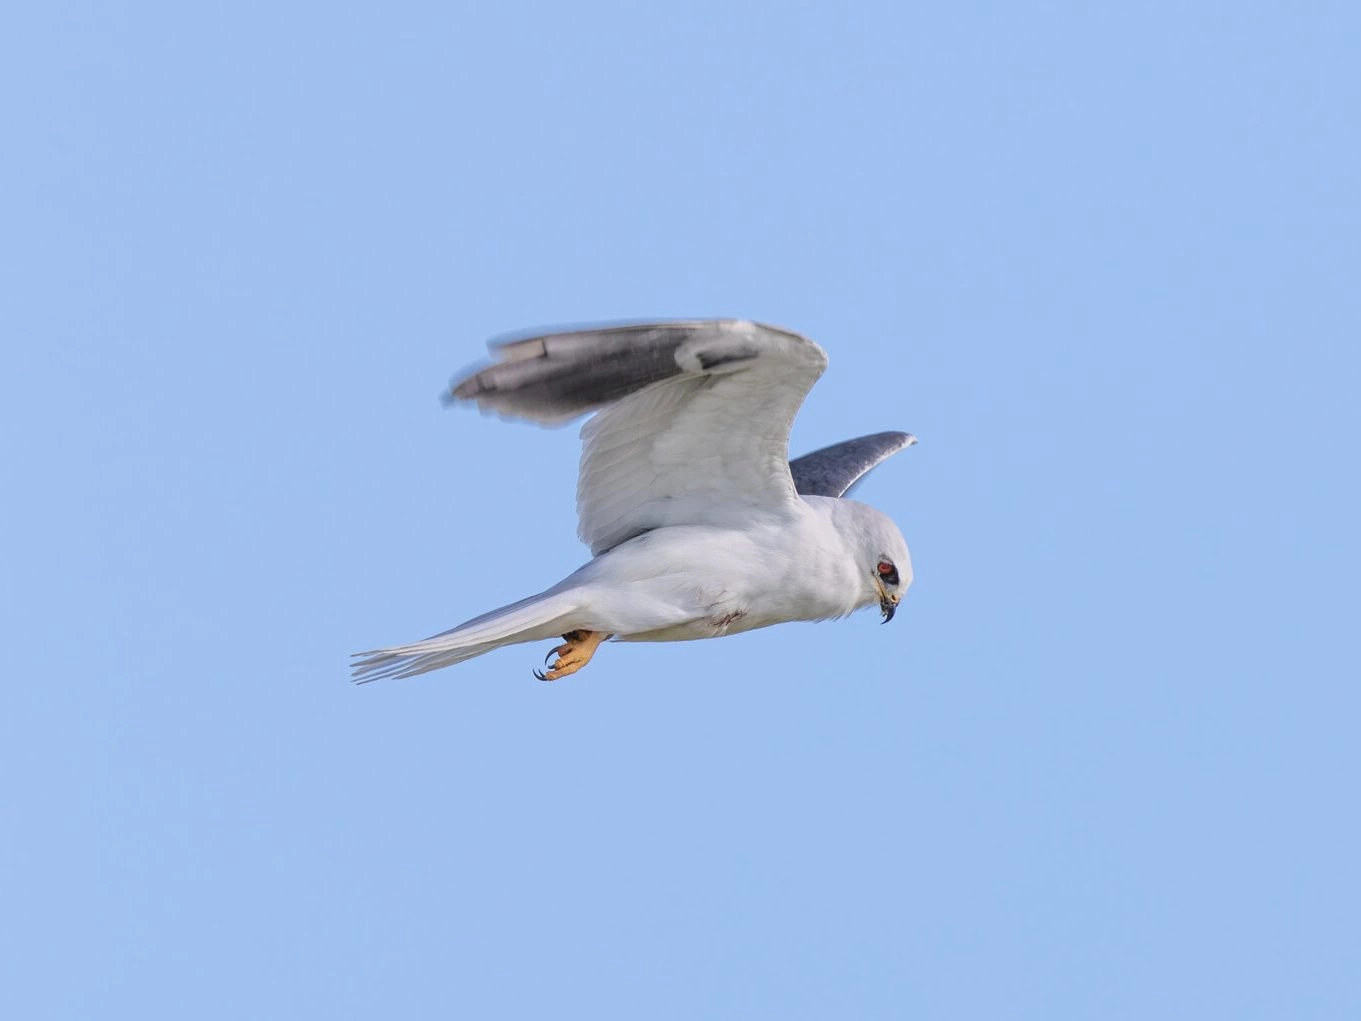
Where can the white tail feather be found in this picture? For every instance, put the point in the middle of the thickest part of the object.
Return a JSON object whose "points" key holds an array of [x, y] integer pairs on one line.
{"points": [[546, 615]]}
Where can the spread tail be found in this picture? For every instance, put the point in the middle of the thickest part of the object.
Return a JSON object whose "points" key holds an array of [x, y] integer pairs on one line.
{"points": [[546, 615]]}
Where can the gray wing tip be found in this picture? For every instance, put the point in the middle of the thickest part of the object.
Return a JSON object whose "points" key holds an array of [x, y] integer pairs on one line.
{"points": [[465, 388], [893, 437]]}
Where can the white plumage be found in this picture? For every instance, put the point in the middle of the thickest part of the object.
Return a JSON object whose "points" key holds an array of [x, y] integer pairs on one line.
{"points": [[698, 524]]}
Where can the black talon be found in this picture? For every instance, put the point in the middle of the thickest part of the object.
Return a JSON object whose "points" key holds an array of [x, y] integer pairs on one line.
{"points": [[538, 675], [551, 654]]}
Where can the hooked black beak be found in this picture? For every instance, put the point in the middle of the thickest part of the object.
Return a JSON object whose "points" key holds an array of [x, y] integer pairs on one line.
{"points": [[888, 607]]}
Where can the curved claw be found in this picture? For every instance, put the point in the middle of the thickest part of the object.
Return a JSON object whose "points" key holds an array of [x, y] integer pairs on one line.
{"points": [[576, 653]]}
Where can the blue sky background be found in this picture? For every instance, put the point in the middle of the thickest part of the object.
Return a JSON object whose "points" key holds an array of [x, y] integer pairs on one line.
{"points": [[1103, 262]]}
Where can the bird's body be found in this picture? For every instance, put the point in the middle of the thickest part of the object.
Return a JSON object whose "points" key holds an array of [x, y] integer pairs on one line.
{"points": [[697, 581], [686, 497]]}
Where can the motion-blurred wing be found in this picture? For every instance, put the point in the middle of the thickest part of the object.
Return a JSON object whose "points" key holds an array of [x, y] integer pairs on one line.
{"points": [[692, 425]]}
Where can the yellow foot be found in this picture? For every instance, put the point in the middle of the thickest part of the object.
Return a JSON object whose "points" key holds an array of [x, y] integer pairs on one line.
{"points": [[576, 653]]}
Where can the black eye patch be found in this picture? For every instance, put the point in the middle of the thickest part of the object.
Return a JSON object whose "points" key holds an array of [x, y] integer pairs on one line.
{"points": [[887, 572]]}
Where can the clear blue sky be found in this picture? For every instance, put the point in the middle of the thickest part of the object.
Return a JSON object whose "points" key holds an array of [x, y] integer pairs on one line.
{"points": [[1104, 263]]}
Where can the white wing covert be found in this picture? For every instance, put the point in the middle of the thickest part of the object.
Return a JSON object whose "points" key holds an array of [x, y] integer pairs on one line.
{"points": [[693, 420]]}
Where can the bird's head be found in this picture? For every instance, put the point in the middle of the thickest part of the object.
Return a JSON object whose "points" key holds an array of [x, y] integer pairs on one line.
{"points": [[881, 557]]}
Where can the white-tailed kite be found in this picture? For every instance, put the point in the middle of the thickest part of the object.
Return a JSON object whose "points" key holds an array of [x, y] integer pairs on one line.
{"points": [[698, 524]]}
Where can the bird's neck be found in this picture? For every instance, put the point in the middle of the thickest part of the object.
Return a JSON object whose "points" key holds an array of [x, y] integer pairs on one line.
{"points": [[830, 558]]}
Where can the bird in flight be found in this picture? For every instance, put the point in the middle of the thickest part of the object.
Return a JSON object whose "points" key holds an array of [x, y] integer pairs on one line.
{"points": [[699, 526]]}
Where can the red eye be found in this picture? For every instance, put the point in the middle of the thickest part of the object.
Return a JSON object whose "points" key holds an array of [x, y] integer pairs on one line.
{"points": [[885, 568]]}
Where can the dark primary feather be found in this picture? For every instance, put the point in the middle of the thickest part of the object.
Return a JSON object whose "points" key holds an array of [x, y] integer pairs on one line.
{"points": [[554, 377], [833, 470]]}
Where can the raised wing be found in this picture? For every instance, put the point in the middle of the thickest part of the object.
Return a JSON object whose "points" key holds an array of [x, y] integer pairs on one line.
{"points": [[833, 470], [692, 425]]}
